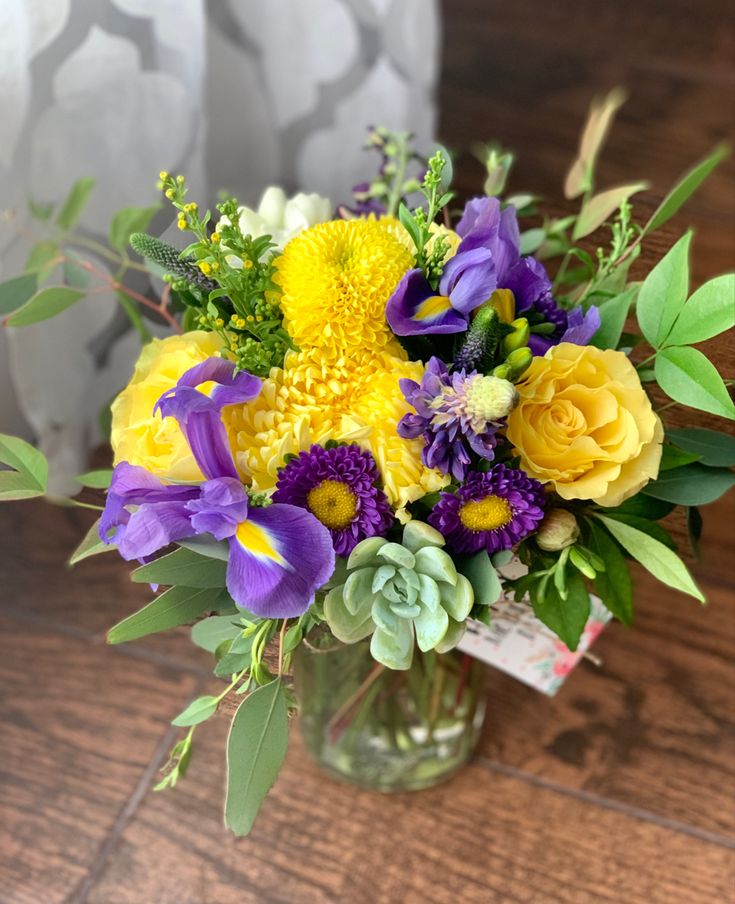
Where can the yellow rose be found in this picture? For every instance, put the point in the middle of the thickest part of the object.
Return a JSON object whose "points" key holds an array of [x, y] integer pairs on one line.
{"points": [[585, 425], [142, 438]]}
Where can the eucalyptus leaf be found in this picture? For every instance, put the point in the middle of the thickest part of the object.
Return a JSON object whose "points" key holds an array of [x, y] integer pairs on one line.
{"points": [[96, 480], [685, 188], [713, 448], [206, 545], [664, 293], [183, 567], [91, 545], [613, 314], [483, 577], [256, 749], [75, 203], [45, 304], [687, 376], [672, 457], [709, 312], [29, 476], [197, 711], [663, 564], [210, 632], [693, 484], [126, 222], [40, 259], [175, 607], [16, 292], [532, 240]]}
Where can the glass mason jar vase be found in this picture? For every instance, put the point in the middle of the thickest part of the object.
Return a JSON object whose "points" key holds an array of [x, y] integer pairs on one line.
{"points": [[382, 729]]}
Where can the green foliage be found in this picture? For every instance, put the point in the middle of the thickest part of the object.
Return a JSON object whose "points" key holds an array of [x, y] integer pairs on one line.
{"points": [[613, 585], [206, 545], [42, 258], [709, 312], [664, 292], [693, 484], [210, 632], [714, 449], [565, 610], [663, 564], [600, 207], [479, 571], [178, 762], [183, 567], [171, 261], [687, 376], [127, 221], [197, 711], [45, 304], [613, 313], [685, 188], [96, 480], [256, 749], [580, 177], [174, 607], [29, 474], [16, 292], [91, 545], [394, 182], [75, 202]]}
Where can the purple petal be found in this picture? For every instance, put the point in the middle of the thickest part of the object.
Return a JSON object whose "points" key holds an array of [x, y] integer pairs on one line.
{"points": [[279, 557], [413, 309], [469, 279], [528, 281], [221, 507], [581, 326], [153, 526], [209, 445]]}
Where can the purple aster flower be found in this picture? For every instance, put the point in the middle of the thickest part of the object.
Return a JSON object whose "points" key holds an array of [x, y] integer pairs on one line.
{"points": [[468, 280], [456, 414], [339, 486], [278, 556], [491, 511]]}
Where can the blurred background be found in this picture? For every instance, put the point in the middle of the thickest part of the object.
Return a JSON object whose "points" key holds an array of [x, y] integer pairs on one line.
{"points": [[619, 789]]}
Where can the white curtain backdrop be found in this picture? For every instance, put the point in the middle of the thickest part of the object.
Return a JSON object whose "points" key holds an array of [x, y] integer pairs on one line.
{"points": [[237, 94]]}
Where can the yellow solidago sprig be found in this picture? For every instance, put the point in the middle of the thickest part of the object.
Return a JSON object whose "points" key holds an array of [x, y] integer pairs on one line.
{"points": [[244, 307]]}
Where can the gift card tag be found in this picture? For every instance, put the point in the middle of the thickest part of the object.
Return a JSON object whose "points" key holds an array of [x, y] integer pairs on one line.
{"points": [[517, 643]]}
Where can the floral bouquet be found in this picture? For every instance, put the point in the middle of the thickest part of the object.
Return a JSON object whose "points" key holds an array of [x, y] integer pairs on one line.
{"points": [[362, 415]]}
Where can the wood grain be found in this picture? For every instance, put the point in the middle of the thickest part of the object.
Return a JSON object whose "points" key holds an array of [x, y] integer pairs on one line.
{"points": [[79, 728], [485, 836]]}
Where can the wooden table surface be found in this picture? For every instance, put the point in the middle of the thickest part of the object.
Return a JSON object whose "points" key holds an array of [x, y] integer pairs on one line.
{"points": [[618, 790]]}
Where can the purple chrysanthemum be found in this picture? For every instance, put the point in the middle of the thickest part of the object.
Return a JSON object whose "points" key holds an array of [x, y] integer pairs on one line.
{"points": [[339, 486], [456, 414], [491, 511]]}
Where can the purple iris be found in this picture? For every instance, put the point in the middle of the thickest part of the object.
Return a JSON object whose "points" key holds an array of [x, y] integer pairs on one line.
{"points": [[456, 414], [279, 555], [468, 280], [526, 277], [491, 511], [581, 326]]}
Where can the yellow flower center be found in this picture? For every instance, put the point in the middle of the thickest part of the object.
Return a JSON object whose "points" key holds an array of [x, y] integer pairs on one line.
{"points": [[333, 503], [489, 513]]}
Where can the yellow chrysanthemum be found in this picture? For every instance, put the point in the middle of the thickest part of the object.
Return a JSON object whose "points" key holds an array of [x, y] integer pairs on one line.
{"points": [[336, 279], [316, 397]]}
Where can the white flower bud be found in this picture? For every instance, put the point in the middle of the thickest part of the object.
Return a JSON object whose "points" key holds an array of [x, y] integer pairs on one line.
{"points": [[558, 530]]}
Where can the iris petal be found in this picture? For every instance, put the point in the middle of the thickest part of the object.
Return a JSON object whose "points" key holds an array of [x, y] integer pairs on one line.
{"points": [[279, 557]]}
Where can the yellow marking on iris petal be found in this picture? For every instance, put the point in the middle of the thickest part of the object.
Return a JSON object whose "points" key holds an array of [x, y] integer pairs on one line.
{"points": [[489, 513], [208, 387], [433, 307], [503, 301], [257, 541], [333, 503]]}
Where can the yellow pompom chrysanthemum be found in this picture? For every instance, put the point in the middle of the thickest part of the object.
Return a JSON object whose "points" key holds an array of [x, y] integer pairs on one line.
{"points": [[336, 280], [316, 397]]}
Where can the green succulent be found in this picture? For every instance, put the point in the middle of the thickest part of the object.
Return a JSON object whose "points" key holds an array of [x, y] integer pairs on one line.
{"points": [[395, 591]]}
